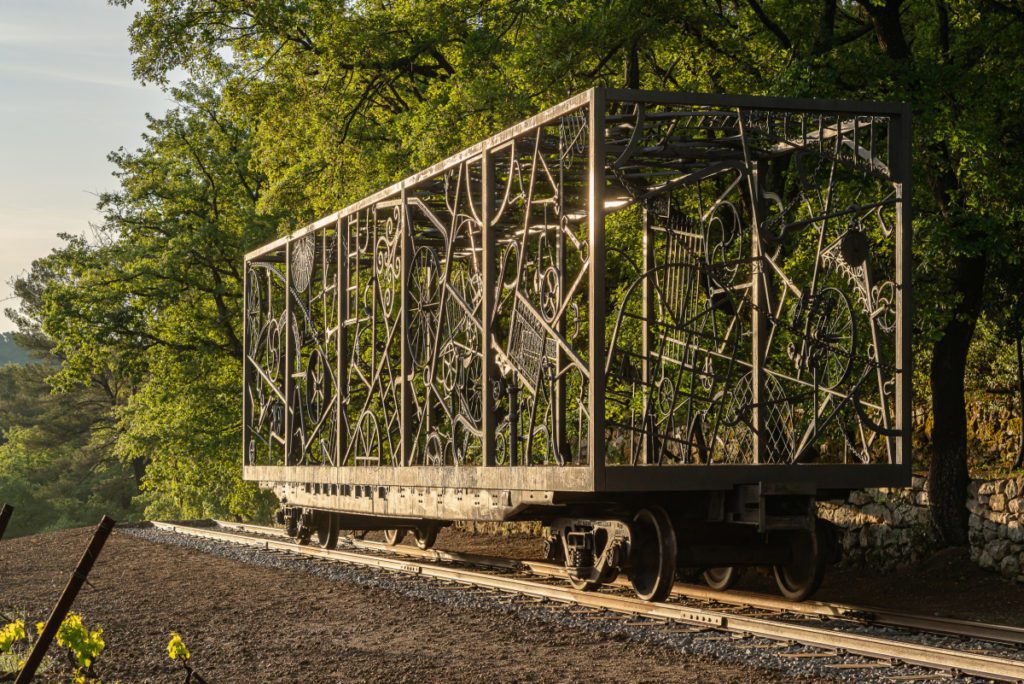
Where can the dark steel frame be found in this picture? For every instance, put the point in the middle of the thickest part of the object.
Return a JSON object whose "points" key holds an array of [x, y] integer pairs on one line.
{"points": [[304, 415]]}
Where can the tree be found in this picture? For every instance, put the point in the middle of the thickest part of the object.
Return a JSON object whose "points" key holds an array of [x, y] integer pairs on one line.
{"points": [[56, 463], [347, 96], [153, 299], [1006, 311]]}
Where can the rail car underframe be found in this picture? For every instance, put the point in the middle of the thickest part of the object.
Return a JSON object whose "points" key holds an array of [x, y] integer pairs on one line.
{"points": [[480, 494]]}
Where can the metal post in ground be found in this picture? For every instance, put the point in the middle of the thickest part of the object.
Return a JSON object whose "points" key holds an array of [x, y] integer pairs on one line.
{"points": [[67, 598], [5, 516]]}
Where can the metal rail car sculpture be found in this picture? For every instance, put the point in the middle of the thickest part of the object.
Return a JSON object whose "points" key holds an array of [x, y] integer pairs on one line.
{"points": [[663, 324]]}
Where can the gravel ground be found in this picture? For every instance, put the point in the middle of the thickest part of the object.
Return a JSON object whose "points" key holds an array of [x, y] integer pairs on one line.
{"points": [[256, 616], [727, 649], [246, 614]]}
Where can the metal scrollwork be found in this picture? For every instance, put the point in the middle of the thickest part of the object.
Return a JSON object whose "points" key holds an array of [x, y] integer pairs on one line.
{"points": [[741, 261]]}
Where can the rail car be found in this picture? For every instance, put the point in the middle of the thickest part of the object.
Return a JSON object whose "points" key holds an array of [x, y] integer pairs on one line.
{"points": [[663, 324]]}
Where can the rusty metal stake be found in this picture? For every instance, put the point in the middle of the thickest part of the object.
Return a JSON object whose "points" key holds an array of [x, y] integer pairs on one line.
{"points": [[5, 516], [75, 583]]}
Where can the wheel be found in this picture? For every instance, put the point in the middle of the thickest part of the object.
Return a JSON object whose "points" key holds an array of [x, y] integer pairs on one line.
{"points": [[653, 554], [394, 537], [425, 536], [801, 577], [326, 527], [291, 526], [722, 578], [582, 585]]}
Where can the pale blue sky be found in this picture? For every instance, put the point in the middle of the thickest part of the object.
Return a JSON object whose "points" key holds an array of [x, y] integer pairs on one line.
{"points": [[67, 98]]}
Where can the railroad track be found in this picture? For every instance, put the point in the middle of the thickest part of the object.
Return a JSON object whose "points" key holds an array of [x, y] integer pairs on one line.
{"points": [[771, 623], [1004, 634]]}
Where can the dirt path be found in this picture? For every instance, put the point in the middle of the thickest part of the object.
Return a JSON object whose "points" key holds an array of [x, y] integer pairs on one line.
{"points": [[248, 623]]}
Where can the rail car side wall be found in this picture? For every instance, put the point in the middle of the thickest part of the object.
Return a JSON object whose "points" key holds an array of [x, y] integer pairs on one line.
{"points": [[473, 326]]}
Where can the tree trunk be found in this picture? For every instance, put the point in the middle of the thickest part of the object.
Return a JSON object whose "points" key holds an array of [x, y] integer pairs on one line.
{"points": [[1020, 393], [947, 476], [631, 66]]}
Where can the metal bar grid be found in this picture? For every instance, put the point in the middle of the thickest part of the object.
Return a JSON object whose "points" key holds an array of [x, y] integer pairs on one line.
{"points": [[481, 322]]}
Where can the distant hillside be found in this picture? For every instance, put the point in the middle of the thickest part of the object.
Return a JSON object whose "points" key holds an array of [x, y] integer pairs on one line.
{"points": [[10, 352]]}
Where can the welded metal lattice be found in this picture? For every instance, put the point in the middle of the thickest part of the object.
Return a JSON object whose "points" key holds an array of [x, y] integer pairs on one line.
{"points": [[650, 279]]}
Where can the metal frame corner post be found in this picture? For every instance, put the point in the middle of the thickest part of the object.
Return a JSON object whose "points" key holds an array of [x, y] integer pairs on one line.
{"points": [[759, 318], [289, 350], [648, 454], [900, 156], [488, 272], [246, 370], [406, 395], [596, 305], [341, 350]]}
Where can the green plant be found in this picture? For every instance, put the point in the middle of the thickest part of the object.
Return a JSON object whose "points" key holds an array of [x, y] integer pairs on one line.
{"points": [[85, 645], [176, 650], [13, 643], [10, 634]]}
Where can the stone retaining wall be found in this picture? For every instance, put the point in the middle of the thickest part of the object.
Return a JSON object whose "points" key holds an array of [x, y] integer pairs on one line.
{"points": [[997, 525], [887, 528], [883, 528]]}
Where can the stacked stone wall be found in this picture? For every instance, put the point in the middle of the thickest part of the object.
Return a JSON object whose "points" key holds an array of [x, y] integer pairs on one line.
{"points": [[883, 528], [889, 528], [997, 525]]}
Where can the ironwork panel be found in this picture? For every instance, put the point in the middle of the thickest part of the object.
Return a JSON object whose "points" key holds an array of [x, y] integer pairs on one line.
{"points": [[759, 319], [629, 281], [291, 328]]}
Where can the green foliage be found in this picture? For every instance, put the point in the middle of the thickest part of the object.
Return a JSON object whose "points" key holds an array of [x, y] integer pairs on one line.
{"points": [[14, 645], [185, 422], [84, 644], [176, 648], [56, 464], [294, 109], [52, 487], [12, 633]]}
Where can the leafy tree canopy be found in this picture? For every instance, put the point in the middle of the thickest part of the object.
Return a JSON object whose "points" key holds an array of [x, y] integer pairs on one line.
{"points": [[293, 109]]}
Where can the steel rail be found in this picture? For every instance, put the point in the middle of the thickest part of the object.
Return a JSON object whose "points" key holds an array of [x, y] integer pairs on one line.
{"points": [[990, 667], [1006, 634]]}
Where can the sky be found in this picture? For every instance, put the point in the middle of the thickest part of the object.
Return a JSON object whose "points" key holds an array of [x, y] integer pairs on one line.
{"points": [[67, 99]]}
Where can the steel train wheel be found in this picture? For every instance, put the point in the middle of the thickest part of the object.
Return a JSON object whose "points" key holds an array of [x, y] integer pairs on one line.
{"points": [[582, 584], [801, 577], [722, 578], [425, 536], [326, 528], [394, 537], [653, 554]]}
